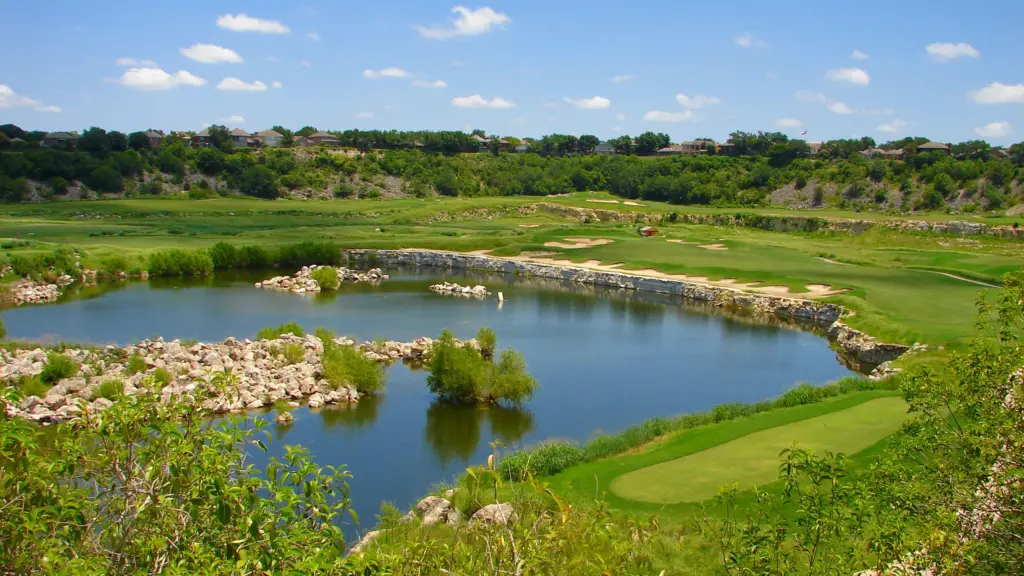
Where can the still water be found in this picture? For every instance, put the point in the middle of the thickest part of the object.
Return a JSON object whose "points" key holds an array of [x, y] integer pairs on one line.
{"points": [[604, 359]]}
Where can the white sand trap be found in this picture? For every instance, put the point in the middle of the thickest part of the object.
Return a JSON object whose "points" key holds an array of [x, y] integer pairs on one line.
{"points": [[529, 225], [604, 201], [680, 242], [714, 246], [578, 243], [631, 203]]}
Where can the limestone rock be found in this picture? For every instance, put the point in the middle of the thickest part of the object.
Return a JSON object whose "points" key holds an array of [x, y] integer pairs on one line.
{"points": [[499, 514]]}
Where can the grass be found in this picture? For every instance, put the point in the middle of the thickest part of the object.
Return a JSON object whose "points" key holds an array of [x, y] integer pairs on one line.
{"points": [[754, 458], [592, 480]]}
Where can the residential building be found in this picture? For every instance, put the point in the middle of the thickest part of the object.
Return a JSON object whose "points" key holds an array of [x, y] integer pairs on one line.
{"points": [[482, 143], [891, 154], [301, 141], [727, 149], [933, 147], [240, 138], [648, 231], [201, 139], [324, 139], [686, 148], [155, 138], [523, 146], [606, 148], [270, 138], [61, 139]]}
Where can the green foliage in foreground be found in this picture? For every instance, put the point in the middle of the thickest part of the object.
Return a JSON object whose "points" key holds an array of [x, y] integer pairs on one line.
{"points": [[149, 488], [464, 374], [274, 332], [346, 366], [326, 277]]}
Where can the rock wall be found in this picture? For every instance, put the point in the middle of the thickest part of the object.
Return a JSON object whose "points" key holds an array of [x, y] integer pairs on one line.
{"points": [[858, 348]]}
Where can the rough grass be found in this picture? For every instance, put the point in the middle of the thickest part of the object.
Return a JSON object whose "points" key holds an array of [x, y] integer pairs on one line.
{"points": [[754, 458]]}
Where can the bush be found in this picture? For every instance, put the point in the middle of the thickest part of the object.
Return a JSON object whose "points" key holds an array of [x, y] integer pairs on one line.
{"points": [[545, 460], [343, 191], [32, 386], [254, 257], [135, 365], [346, 366], [326, 277], [272, 333], [198, 193], [509, 379], [111, 266], [180, 263], [162, 376], [110, 389], [488, 340], [224, 256], [57, 367], [309, 253], [456, 373], [293, 352]]}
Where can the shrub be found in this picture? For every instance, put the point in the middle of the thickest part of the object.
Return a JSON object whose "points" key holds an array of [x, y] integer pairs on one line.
{"points": [[180, 263], [254, 257], [343, 191], [110, 389], [197, 193], [135, 365], [346, 366], [326, 277], [309, 253], [32, 386], [57, 367], [162, 376], [488, 340], [509, 379], [113, 265], [293, 352], [456, 373], [545, 460], [224, 256], [272, 333]]}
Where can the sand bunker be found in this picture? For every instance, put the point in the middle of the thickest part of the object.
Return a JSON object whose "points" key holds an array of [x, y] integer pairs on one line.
{"points": [[680, 242], [631, 203], [714, 246], [604, 201], [529, 225], [573, 243]]}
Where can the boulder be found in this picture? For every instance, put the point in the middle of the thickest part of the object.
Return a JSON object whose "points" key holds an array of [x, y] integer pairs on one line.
{"points": [[285, 418], [365, 541], [499, 514], [434, 510]]}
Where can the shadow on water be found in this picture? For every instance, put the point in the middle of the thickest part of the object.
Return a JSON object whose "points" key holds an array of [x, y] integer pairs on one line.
{"points": [[453, 431]]}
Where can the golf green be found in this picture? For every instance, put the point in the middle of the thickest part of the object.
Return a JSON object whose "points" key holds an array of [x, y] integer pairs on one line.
{"points": [[754, 459]]}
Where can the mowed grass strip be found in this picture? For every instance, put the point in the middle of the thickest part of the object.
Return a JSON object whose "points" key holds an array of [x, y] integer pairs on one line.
{"points": [[754, 459]]}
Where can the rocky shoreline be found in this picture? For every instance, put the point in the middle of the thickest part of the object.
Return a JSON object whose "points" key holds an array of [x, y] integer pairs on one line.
{"points": [[858, 347], [302, 282], [260, 374], [477, 291]]}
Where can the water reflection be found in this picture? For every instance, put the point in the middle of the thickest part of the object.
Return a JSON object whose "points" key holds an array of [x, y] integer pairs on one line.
{"points": [[453, 430], [352, 417]]}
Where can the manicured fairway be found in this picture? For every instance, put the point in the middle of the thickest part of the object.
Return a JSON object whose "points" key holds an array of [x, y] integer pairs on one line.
{"points": [[754, 459]]}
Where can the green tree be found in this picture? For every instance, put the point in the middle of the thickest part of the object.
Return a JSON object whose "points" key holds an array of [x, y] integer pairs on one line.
{"points": [[106, 178], [118, 141], [259, 181], [94, 141], [588, 143], [138, 141], [305, 131]]}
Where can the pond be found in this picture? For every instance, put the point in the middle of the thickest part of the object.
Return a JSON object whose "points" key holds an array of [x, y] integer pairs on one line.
{"points": [[604, 360]]}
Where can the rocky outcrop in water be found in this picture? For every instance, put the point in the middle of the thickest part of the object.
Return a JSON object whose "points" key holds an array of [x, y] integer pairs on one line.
{"points": [[302, 282], [862, 348], [31, 292], [459, 290]]}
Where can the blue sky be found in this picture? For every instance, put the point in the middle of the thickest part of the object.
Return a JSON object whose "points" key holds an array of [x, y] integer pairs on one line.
{"points": [[948, 70]]}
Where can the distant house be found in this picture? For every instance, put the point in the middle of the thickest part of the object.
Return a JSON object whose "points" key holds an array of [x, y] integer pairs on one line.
{"points": [[648, 231], [60, 139], [270, 138], [933, 147], [891, 154], [482, 143], [523, 146], [301, 141], [690, 148], [605, 148], [201, 139], [727, 149], [240, 138], [324, 139], [155, 137]]}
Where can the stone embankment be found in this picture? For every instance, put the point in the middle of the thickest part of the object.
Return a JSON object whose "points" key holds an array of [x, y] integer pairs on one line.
{"points": [[302, 282], [862, 349], [260, 374], [459, 290]]}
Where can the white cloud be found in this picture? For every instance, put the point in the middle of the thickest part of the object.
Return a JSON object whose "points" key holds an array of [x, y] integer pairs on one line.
{"points": [[621, 78], [662, 116], [386, 73], [469, 23], [134, 62], [810, 96], [430, 84], [233, 119], [306, 64], [851, 75], [620, 117], [695, 102], [364, 115], [210, 54], [157, 79], [478, 101], [996, 93], [788, 123], [894, 126], [594, 103], [10, 99], [313, 36], [237, 85], [747, 40], [840, 108], [244, 23], [858, 55], [942, 51], [994, 130], [276, 84]]}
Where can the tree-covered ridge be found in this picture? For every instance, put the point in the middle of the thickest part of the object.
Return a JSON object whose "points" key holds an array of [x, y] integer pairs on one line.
{"points": [[746, 171]]}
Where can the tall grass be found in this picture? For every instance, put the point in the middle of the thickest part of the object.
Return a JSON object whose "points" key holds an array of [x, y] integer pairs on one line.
{"points": [[180, 263], [346, 366], [274, 332], [309, 253], [57, 367], [326, 277]]}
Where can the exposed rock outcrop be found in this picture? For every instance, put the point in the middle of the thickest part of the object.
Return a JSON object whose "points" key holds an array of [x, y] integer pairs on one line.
{"points": [[302, 282], [477, 291], [864, 349], [31, 292], [494, 514]]}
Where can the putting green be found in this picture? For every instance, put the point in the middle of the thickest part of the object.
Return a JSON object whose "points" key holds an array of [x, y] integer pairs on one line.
{"points": [[754, 459]]}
